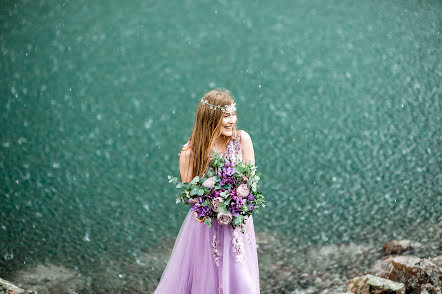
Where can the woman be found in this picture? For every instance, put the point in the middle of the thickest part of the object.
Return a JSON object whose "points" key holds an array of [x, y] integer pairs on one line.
{"points": [[217, 259]]}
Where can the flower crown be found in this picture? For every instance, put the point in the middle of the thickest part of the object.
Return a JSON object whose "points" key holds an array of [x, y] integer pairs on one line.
{"points": [[228, 108]]}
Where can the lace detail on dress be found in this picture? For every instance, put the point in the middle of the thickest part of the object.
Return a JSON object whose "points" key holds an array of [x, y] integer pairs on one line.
{"points": [[215, 250], [238, 245], [233, 150]]}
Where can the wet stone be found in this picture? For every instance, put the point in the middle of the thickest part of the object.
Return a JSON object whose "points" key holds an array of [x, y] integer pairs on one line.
{"points": [[370, 284]]}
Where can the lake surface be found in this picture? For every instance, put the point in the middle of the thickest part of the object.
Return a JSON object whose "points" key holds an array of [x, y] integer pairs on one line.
{"points": [[341, 99]]}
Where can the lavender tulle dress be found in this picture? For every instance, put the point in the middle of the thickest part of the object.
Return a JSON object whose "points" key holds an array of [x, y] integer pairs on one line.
{"points": [[212, 260]]}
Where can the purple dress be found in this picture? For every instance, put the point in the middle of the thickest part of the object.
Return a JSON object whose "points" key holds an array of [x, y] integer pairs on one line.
{"points": [[216, 260]]}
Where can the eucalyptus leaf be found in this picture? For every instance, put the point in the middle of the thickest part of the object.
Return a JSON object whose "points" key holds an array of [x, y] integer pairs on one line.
{"points": [[222, 207], [254, 187], [227, 186], [227, 201], [208, 222], [195, 180], [223, 194], [238, 220]]}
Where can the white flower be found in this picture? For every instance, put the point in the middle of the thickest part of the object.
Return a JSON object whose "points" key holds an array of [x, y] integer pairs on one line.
{"points": [[243, 190], [224, 218]]}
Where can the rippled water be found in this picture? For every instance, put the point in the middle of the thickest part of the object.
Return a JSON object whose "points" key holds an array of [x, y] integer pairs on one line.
{"points": [[342, 101]]}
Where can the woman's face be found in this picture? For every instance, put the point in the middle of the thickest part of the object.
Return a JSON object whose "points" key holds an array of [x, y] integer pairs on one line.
{"points": [[228, 121]]}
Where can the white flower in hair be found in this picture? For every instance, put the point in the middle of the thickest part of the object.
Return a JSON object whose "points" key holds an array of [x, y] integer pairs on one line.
{"points": [[228, 108]]}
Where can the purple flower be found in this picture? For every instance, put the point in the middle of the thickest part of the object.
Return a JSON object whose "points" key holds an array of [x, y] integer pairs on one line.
{"points": [[224, 218], [251, 207], [251, 197]]}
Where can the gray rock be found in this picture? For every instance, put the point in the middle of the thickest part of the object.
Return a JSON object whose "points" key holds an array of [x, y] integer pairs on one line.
{"points": [[400, 246], [50, 279], [370, 284], [9, 288], [412, 271]]}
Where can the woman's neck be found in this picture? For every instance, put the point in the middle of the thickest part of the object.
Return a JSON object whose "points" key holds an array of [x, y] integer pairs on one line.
{"points": [[220, 143]]}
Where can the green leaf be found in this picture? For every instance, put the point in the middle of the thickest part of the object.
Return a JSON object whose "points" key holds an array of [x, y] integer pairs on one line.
{"points": [[195, 180], [208, 222], [200, 192], [194, 191], [227, 186], [179, 185], [254, 187], [222, 207], [223, 194], [237, 220], [245, 208], [178, 198], [227, 201], [206, 202]]}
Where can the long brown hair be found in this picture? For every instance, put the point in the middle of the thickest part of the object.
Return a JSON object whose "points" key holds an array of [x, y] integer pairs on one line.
{"points": [[207, 127]]}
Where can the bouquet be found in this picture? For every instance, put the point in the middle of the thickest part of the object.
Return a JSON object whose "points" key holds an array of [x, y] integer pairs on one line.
{"points": [[226, 192]]}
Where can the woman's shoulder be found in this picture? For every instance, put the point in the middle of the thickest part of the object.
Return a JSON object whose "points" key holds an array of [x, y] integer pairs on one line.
{"points": [[186, 150], [243, 136]]}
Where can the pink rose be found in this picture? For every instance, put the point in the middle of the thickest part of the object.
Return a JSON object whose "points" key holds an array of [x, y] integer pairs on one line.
{"points": [[224, 218], [243, 190], [209, 183], [215, 203]]}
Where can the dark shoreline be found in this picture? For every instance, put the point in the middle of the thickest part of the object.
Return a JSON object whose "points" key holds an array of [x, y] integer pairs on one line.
{"points": [[283, 269]]}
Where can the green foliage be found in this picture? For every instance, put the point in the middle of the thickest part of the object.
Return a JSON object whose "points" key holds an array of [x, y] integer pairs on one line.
{"points": [[195, 180], [245, 173], [222, 207], [208, 222], [224, 194], [238, 220], [227, 201]]}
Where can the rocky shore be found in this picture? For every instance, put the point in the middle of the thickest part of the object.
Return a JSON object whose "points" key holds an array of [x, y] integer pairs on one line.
{"points": [[397, 267]]}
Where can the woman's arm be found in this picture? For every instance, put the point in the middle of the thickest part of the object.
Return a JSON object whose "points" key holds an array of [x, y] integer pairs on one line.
{"points": [[186, 166], [247, 147]]}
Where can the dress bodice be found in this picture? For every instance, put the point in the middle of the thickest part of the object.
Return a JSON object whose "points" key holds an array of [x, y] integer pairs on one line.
{"points": [[234, 150]]}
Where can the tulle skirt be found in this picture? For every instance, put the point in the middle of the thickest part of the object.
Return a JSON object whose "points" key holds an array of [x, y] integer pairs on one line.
{"points": [[216, 260]]}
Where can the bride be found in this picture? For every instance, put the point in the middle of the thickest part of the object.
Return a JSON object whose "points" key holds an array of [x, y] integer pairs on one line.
{"points": [[219, 259]]}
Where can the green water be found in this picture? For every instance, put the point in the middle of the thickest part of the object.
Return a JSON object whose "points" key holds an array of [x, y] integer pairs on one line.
{"points": [[342, 100]]}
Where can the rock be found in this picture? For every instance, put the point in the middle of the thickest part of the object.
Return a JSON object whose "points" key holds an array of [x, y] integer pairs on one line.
{"points": [[383, 268], [9, 288], [49, 278], [400, 246], [427, 289], [370, 284], [412, 271]]}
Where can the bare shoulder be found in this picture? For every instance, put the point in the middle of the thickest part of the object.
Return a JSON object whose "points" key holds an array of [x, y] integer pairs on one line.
{"points": [[247, 147], [245, 137], [186, 152]]}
